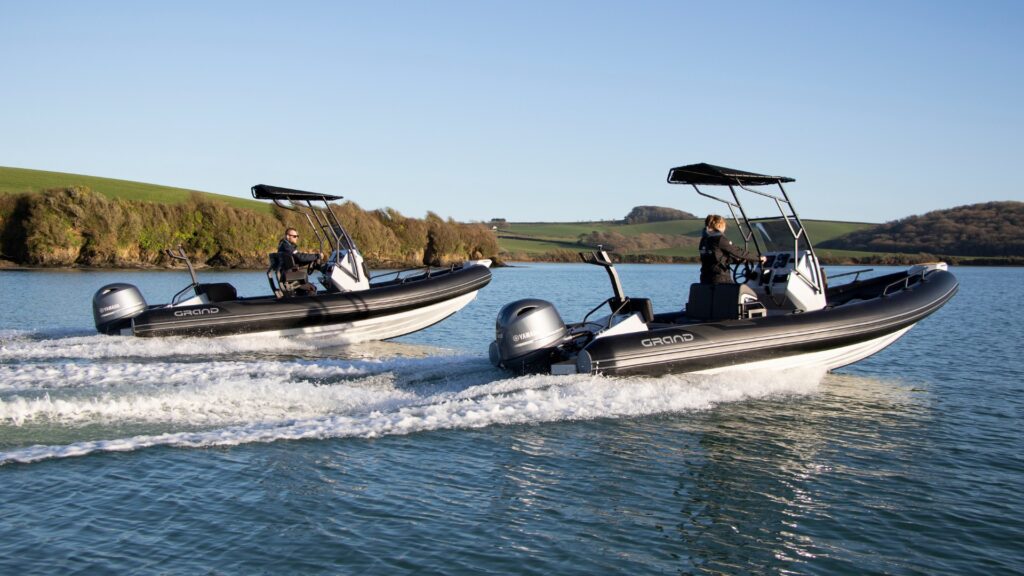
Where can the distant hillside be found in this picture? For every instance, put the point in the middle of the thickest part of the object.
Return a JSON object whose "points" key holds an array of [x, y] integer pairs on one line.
{"points": [[129, 224], [22, 180], [983, 234], [667, 241], [990, 229], [644, 214]]}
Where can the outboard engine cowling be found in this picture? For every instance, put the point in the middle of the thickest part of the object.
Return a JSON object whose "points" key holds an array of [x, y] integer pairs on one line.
{"points": [[115, 305], [527, 335]]}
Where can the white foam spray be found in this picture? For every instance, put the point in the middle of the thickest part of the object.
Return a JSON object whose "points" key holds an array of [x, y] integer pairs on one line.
{"points": [[16, 345], [236, 402]]}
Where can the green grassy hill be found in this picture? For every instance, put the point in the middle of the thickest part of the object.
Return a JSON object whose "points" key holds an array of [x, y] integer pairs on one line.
{"points": [[534, 239], [22, 180], [570, 231]]}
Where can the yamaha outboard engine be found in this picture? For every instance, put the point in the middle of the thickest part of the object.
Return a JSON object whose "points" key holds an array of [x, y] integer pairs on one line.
{"points": [[114, 306], [527, 335]]}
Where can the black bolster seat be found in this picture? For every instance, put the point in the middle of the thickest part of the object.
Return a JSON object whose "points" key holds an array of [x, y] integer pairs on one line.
{"points": [[642, 306], [217, 291], [717, 301], [288, 276]]}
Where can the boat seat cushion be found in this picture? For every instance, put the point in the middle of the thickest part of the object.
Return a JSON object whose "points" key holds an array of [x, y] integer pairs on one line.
{"points": [[218, 291], [289, 277], [699, 304], [641, 305]]}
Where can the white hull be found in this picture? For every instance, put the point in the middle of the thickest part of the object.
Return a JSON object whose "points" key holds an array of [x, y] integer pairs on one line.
{"points": [[827, 359], [381, 327]]}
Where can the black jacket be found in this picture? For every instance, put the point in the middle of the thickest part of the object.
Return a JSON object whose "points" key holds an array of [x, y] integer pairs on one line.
{"points": [[717, 255], [290, 258]]}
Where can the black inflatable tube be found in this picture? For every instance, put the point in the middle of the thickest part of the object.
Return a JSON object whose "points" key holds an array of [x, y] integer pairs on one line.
{"points": [[266, 314], [695, 347]]}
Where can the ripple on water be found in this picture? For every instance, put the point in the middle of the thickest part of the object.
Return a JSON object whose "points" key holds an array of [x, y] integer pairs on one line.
{"points": [[286, 456]]}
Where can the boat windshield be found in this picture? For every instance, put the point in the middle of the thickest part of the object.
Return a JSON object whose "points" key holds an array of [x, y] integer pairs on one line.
{"points": [[779, 234], [335, 231]]}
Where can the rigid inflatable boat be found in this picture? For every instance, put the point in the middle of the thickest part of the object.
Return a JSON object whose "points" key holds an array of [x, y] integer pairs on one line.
{"points": [[350, 303], [780, 314]]}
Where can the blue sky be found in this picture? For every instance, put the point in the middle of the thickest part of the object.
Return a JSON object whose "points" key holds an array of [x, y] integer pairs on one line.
{"points": [[531, 111]]}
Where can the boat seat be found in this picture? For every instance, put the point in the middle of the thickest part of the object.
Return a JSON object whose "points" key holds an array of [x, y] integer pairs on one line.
{"points": [[217, 291], [285, 277], [641, 305], [722, 302]]}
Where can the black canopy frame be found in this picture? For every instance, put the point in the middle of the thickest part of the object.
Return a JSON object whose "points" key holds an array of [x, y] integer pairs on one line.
{"points": [[704, 174]]}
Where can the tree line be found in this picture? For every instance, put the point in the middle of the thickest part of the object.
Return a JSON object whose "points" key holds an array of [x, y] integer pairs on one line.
{"points": [[75, 226]]}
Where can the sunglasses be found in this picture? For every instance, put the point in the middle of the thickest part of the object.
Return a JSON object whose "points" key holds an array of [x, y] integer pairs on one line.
{"points": [[293, 235]]}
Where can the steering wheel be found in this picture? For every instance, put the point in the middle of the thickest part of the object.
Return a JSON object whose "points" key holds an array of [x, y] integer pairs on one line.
{"points": [[744, 274], [313, 266]]}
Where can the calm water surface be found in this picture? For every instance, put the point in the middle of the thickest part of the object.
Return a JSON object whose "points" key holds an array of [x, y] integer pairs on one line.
{"points": [[262, 455]]}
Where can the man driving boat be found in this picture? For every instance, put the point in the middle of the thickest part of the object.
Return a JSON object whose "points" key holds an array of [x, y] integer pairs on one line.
{"points": [[289, 256]]}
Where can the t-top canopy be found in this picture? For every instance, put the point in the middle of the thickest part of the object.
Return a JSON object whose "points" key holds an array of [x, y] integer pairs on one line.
{"points": [[710, 175], [268, 192]]}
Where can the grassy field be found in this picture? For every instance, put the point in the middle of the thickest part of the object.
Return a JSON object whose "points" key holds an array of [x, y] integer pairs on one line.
{"points": [[570, 231], [535, 238], [516, 245], [21, 180]]}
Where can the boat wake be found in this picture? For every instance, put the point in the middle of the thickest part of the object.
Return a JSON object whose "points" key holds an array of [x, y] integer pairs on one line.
{"points": [[19, 346], [84, 398]]}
